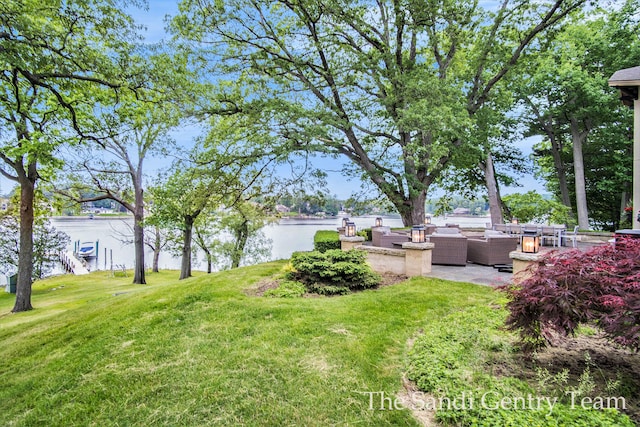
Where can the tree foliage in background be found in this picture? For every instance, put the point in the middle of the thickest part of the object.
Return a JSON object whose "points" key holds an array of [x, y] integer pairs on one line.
{"points": [[113, 168], [48, 242], [532, 207], [397, 87], [585, 127]]}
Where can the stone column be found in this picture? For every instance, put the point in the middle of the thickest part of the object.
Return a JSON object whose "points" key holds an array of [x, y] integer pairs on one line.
{"points": [[521, 263], [417, 261], [347, 243]]}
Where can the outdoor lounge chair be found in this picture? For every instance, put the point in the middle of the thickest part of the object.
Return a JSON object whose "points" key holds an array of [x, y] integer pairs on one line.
{"points": [[493, 249], [450, 247]]}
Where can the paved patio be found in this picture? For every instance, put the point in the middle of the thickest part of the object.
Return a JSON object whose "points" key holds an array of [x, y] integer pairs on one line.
{"points": [[487, 275], [472, 273]]}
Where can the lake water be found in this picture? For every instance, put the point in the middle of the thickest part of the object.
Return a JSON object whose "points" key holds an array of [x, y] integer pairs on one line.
{"points": [[287, 236]]}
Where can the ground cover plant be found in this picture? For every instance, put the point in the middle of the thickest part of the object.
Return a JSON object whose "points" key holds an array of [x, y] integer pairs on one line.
{"points": [[566, 289], [470, 373]]}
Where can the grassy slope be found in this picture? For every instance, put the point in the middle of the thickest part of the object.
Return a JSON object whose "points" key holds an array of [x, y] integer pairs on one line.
{"points": [[100, 351]]}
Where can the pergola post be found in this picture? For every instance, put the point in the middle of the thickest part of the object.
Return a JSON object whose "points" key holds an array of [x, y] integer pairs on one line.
{"points": [[628, 82]]}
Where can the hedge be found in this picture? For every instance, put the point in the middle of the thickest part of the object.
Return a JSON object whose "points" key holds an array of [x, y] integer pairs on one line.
{"points": [[325, 240]]}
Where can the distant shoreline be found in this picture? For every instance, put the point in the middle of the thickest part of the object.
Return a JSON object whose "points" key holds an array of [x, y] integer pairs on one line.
{"points": [[85, 217]]}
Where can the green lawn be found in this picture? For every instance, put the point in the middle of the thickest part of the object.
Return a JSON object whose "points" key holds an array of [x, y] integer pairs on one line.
{"points": [[100, 351]]}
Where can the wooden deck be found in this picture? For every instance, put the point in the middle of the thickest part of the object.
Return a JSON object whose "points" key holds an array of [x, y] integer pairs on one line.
{"points": [[72, 264]]}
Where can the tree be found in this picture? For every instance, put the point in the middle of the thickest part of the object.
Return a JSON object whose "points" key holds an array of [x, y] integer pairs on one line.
{"points": [[114, 167], [531, 206], [244, 222], [232, 163], [47, 244], [393, 86], [155, 238], [192, 190], [52, 54], [569, 102], [207, 237], [233, 237]]}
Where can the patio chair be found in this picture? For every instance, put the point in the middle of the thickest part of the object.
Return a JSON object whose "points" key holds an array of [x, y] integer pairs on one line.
{"points": [[549, 233], [493, 249], [450, 247], [573, 236]]}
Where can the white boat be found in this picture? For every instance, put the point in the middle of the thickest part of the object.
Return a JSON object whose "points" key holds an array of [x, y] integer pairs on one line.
{"points": [[87, 249]]}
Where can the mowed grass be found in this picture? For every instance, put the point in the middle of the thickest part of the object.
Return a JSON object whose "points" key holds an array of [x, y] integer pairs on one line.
{"points": [[99, 351]]}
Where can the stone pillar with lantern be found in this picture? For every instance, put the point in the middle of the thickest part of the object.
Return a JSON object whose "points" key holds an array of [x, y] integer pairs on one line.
{"points": [[418, 253], [349, 240], [526, 257]]}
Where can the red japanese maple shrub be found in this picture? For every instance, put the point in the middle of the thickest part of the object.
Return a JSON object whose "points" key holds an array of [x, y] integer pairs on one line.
{"points": [[600, 286]]}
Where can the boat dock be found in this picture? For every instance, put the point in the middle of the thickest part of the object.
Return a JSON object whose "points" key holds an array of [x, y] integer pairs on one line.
{"points": [[72, 264]]}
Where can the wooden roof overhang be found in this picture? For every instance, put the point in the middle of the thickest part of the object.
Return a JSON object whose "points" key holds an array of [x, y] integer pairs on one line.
{"points": [[627, 81]]}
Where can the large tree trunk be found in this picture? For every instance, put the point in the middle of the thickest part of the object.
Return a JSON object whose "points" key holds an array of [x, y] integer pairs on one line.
{"points": [[138, 239], [411, 210], [578, 137], [493, 192], [187, 233], [25, 257], [561, 173]]}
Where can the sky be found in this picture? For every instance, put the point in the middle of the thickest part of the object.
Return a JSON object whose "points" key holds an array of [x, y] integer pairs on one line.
{"points": [[153, 20]]}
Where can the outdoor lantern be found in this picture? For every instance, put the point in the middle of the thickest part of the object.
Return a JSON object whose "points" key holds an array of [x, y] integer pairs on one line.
{"points": [[350, 230], [427, 219], [530, 243], [418, 234], [514, 220], [345, 220], [378, 222]]}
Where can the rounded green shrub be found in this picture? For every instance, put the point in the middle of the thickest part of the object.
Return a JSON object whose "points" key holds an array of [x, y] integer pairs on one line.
{"points": [[333, 272]]}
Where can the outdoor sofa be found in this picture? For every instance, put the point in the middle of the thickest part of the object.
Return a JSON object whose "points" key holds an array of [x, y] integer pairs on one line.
{"points": [[493, 249], [383, 237]]}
